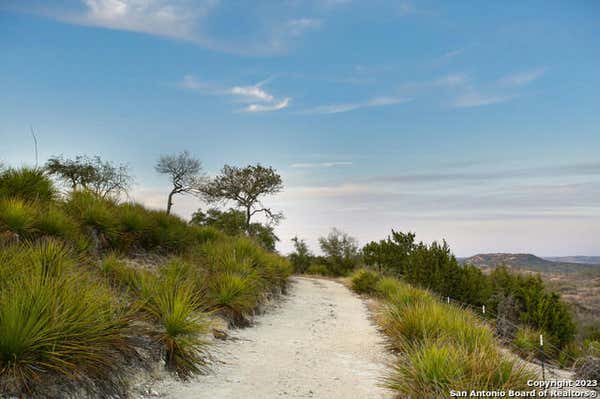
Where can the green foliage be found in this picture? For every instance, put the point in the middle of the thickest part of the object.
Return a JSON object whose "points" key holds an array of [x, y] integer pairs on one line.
{"points": [[103, 178], [26, 184], [233, 223], [434, 267], [173, 303], [441, 347], [318, 269], [58, 321], [301, 257], [341, 252], [364, 281], [17, 218]]}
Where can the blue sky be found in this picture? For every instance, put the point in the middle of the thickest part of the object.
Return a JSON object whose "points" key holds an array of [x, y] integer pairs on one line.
{"points": [[474, 121]]}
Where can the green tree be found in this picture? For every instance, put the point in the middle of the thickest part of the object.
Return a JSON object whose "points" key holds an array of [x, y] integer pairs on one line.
{"points": [[104, 178], [341, 251], [246, 187], [233, 222], [301, 257]]}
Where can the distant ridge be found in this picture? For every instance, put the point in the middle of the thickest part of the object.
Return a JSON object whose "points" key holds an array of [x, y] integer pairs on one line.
{"points": [[590, 260], [528, 262]]}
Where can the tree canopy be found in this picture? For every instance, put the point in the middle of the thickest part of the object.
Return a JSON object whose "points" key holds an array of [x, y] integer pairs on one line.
{"points": [[246, 187], [185, 173], [104, 178]]}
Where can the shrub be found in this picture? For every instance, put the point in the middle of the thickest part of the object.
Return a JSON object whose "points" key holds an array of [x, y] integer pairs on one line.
{"points": [[176, 308], [233, 295], [54, 323], [95, 214], [432, 369], [17, 218], [364, 281], [27, 184], [54, 222], [318, 269], [387, 287]]}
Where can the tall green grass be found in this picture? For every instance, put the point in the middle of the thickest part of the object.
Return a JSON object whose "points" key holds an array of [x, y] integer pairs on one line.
{"points": [[440, 347], [27, 184], [57, 322]]}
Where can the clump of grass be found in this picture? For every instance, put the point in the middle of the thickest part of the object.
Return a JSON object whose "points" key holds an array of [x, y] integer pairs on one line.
{"points": [[175, 307], [27, 184], [387, 287], [431, 369], [441, 347], [54, 222], [233, 295], [364, 281], [95, 214], [17, 218], [61, 324]]}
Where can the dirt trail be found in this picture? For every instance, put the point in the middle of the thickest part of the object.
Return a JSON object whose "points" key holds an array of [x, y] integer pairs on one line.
{"points": [[317, 343]]}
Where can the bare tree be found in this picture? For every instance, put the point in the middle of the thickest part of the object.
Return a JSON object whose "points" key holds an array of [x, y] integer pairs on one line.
{"points": [[185, 173], [246, 187]]}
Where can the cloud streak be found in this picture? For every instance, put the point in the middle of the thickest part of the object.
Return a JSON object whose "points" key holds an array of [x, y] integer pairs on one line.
{"points": [[311, 165], [347, 107]]}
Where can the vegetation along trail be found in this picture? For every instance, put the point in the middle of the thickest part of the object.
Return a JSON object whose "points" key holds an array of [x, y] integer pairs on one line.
{"points": [[319, 342]]}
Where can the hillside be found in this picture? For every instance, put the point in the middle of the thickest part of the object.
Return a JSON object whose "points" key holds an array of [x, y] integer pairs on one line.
{"points": [[527, 262], [590, 260]]}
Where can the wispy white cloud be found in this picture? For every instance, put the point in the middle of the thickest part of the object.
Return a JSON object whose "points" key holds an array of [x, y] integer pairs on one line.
{"points": [[275, 106], [522, 78], [312, 165], [297, 27], [169, 18], [473, 98], [253, 93], [452, 80], [186, 20], [347, 107], [261, 100], [406, 8]]}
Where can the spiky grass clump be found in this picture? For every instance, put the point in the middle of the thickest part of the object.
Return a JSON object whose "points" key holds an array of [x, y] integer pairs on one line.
{"points": [[233, 295], [57, 321], [17, 219], [387, 287], [54, 222], [27, 184], [364, 281], [433, 369], [94, 214], [441, 347], [176, 308]]}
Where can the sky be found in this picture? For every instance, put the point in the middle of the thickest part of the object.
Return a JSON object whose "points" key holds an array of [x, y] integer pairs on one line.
{"points": [[475, 122]]}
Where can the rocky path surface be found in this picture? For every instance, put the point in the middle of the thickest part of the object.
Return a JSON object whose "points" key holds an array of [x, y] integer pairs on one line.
{"points": [[318, 342]]}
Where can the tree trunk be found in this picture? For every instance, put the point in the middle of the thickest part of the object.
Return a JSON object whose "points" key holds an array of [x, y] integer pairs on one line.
{"points": [[170, 202], [248, 220]]}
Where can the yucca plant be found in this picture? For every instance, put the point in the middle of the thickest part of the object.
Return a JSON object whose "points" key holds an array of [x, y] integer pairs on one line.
{"points": [[27, 184], [53, 221], [67, 326], [233, 295], [17, 218], [95, 214], [181, 325]]}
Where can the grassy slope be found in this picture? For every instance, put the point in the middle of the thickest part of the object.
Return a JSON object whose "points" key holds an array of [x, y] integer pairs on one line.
{"points": [[76, 314], [440, 347]]}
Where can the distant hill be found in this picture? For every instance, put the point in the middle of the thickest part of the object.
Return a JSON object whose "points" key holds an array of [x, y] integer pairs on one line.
{"points": [[527, 262], [590, 260]]}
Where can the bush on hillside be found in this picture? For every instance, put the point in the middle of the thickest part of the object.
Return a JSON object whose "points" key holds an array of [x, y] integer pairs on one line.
{"points": [[364, 281], [27, 184], [318, 269]]}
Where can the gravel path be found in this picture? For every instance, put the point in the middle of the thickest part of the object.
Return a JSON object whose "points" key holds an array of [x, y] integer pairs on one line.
{"points": [[317, 343]]}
